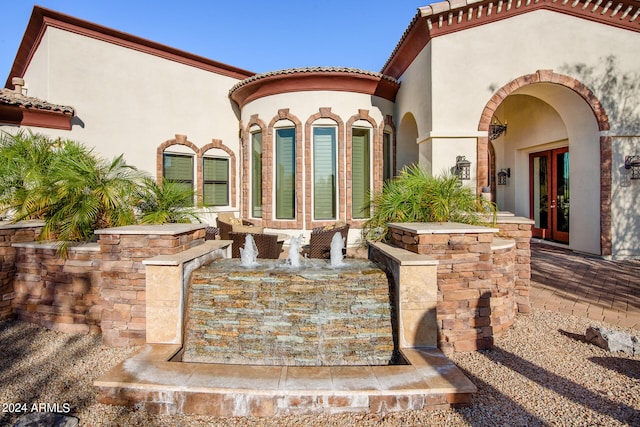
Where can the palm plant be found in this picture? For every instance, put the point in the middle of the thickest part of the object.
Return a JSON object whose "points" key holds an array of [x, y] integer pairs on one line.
{"points": [[416, 196], [170, 202], [86, 193], [25, 159], [63, 183]]}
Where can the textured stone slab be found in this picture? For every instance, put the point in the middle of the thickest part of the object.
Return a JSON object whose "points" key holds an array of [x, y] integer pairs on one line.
{"points": [[278, 315]]}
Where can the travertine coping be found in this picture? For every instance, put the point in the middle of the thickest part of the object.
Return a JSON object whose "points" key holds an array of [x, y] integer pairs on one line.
{"points": [[80, 247], [151, 382], [21, 224], [499, 244], [167, 279], [404, 257], [189, 254], [415, 279], [162, 229], [514, 220], [441, 228]]}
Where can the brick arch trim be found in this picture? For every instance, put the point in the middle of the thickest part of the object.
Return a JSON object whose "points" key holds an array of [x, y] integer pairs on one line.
{"points": [[268, 183], [217, 143], [377, 160], [548, 76], [254, 120], [323, 113], [178, 140]]}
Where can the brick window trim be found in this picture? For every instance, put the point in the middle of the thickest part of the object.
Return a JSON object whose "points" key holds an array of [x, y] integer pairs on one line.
{"points": [[199, 153]]}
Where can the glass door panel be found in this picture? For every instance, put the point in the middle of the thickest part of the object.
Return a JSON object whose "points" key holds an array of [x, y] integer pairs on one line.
{"points": [[549, 194]]}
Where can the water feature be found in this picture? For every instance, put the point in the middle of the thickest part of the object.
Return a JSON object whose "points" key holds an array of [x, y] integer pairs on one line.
{"points": [[306, 312], [293, 258], [337, 245], [249, 254]]}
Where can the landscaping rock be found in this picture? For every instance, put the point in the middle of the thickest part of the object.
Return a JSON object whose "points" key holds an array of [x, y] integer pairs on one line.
{"points": [[46, 419], [613, 341]]}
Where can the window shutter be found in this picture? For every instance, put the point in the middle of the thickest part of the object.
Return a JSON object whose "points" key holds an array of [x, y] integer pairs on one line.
{"points": [[285, 173], [324, 173], [216, 181], [256, 175], [360, 175]]}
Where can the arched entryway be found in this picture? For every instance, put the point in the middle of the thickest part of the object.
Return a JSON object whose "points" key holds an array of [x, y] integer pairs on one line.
{"points": [[407, 149], [549, 114]]}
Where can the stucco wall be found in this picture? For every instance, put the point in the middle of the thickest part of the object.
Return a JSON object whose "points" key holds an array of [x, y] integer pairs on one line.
{"points": [[467, 67], [127, 101]]}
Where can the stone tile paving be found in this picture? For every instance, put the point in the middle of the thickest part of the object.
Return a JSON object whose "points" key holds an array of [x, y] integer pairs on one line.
{"points": [[585, 285]]}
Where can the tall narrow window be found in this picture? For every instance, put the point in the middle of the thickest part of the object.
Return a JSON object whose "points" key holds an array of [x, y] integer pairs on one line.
{"points": [[178, 168], [360, 172], [285, 173], [324, 173], [256, 174], [216, 181], [387, 157]]}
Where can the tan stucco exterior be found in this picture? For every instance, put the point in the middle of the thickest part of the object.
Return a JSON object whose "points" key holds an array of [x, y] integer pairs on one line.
{"points": [[460, 66]]}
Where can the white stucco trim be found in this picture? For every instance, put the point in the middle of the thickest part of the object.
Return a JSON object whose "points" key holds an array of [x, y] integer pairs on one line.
{"points": [[450, 134]]}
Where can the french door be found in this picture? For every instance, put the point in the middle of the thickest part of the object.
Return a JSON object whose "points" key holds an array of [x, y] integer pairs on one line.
{"points": [[549, 194]]}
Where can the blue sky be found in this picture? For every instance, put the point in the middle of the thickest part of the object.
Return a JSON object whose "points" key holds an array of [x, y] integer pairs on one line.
{"points": [[257, 35]]}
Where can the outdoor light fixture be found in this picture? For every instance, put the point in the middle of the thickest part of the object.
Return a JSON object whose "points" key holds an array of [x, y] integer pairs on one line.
{"points": [[463, 168], [633, 163], [503, 175], [496, 129]]}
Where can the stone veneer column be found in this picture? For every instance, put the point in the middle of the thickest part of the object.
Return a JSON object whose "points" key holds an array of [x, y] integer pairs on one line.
{"points": [[519, 229], [123, 294], [475, 287], [25, 231]]}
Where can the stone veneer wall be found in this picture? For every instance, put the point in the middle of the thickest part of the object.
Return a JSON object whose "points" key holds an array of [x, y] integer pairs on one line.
{"points": [[58, 293], [519, 229], [99, 287], [123, 289], [27, 231], [477, 295]]}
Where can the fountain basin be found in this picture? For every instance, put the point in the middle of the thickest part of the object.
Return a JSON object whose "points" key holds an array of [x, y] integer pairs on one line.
{"points": [[273, 314]]}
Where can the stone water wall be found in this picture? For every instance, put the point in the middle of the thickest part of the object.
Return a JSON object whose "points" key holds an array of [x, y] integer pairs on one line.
{"points": [[269, 314]]}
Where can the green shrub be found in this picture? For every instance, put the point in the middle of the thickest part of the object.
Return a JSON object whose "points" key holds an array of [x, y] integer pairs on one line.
{"points": [[416, 196]]}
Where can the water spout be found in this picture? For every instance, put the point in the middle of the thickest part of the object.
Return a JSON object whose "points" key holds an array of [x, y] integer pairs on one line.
{"points": [[337, 245], [293, 259], [249, 254]]}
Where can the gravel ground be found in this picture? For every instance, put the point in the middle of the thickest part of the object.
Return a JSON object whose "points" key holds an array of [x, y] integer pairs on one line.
{"points": [[540, 373]]}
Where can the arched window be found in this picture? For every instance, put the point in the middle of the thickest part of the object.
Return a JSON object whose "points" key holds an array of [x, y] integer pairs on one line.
{"points": [[361, 171], [215, 178], [256, 172], [285, 170], [178, 166], [324, 155]]}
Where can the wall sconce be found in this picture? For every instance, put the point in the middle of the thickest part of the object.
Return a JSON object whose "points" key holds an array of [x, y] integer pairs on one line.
{"points": [[633, 163], [496, 129], [463, 168], [503, 175]]}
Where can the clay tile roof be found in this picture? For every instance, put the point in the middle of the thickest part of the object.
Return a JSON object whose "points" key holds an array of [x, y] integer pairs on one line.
{"points": [[311, 70], [10, 97]]}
